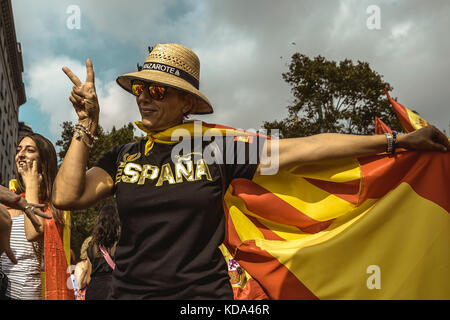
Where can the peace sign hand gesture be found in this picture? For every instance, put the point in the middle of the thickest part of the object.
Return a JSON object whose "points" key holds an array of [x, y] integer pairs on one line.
{"points": [[84, 97]]}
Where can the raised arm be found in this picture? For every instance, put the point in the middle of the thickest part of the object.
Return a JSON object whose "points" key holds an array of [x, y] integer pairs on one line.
{"points": [[328, 146], [74, 188]]}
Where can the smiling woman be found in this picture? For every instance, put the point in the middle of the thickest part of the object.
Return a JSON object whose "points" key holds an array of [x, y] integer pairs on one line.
{"points": [[36, 168], [173, 225]]}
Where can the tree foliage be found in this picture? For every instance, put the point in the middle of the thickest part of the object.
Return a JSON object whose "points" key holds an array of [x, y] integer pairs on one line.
{"points": [[83, 221], [334, 97]]}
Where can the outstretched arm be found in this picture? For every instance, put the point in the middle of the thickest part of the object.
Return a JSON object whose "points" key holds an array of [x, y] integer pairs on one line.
{"points": [[15, 201], [329, 146]]}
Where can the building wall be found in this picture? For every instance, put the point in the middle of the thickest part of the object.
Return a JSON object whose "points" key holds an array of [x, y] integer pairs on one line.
{"points": [[12, 91]]}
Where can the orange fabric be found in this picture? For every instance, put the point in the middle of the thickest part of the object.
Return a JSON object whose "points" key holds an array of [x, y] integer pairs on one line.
{"points": [[243, 285], [409, 119], [252, 291], [265, 204], [425, 172], [55, 262], [266, 231], [348, 191], [381, 127], [381, 174], [401, 112], [277, 280]]}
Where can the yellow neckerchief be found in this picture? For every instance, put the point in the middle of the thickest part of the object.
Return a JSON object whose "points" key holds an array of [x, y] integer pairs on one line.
{"points": [[194, 128]]}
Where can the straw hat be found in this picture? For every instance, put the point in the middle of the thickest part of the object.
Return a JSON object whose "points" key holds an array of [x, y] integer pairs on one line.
{"points": [[175, 66]]}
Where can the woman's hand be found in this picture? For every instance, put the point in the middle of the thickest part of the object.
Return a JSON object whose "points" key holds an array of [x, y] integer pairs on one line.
{"points": [[30, 175], [426, 139], [84, 97]]}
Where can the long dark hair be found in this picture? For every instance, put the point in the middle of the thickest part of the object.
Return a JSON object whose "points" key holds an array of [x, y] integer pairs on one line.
{"points": [[48, 169], [107, 228]]}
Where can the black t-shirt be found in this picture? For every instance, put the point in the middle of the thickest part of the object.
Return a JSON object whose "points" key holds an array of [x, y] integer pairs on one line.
{"points": [[172, 215]]}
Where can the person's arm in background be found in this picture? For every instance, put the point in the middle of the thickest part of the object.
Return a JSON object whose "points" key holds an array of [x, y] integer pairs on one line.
{"points": [[32, 180], [14, 201], [83, 271], [5, 234]]}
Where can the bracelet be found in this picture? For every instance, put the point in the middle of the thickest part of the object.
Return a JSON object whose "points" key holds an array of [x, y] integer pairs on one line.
{"points": [[81, 127], [394, 142], [79, 137], [29, 206], [389, 142]]}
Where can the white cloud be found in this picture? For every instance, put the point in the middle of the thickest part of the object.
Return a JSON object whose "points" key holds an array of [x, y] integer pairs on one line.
{"points": [[401, 30], [117, 107], [245, 46], [51, 88]]}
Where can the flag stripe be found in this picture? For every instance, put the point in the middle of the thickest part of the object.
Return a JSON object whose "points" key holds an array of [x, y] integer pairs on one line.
{"points": [[382, 174], [403, 234], [279, 282], [336, 170], [267, 205], [304, 197], [266, 231], [400, 110], [232, 240], [348, 191]]}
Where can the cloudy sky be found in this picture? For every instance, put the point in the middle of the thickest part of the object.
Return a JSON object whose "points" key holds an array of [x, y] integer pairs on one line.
{"points": [[243, 46]]}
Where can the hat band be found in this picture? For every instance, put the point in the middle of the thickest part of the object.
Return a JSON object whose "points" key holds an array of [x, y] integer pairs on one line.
{"points": [[171, 70]]}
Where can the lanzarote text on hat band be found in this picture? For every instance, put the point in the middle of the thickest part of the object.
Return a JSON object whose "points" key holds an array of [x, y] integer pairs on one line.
{"points": [[171, 70]]}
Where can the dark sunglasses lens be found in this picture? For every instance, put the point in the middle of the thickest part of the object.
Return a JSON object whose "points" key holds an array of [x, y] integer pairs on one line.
{"points": [[137, 87], [157, 92]]}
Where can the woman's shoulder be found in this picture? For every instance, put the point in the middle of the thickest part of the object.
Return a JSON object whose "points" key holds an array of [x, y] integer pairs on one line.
{"points": [[119, 153], [127, 148]]}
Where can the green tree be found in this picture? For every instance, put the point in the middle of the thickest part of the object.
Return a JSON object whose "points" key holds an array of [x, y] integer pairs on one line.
{"points": [[334, 97], [83, 221]]}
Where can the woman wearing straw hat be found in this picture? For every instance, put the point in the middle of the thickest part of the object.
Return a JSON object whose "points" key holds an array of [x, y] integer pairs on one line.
{"points": [[170, 205]]}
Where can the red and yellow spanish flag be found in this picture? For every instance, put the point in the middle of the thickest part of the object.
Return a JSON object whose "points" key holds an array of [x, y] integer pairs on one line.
{"points": [[381, 127], [373, 227], [409, 120]]}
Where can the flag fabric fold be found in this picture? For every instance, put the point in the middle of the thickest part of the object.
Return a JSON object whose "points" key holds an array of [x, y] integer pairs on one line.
{"points": [[391, 215], [381, 127], [374, 227], [409, 120]]}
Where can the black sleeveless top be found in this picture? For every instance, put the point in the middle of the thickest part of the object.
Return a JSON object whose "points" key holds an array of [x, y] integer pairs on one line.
{"points": [[101, 274]]}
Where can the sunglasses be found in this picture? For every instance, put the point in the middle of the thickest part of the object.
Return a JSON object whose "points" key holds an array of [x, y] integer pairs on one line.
{"points": [[155, 91]]}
